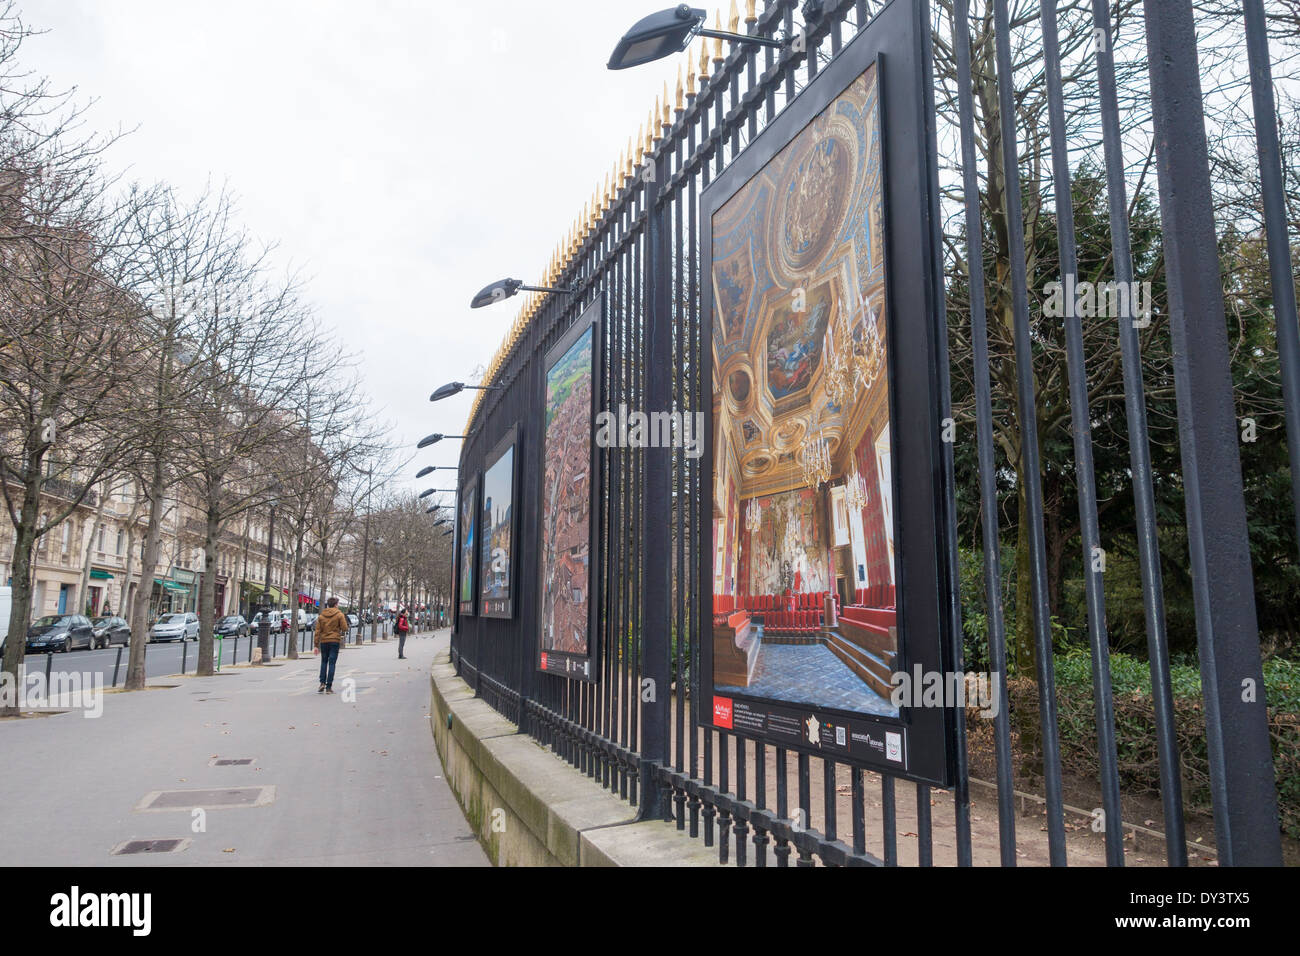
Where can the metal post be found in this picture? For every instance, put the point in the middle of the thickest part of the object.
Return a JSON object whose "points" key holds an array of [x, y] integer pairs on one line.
{"points": [[185, 654], [1275, 225], [1232, 681], [264, 629], [654, 804], [116, 665], [365, 551]]}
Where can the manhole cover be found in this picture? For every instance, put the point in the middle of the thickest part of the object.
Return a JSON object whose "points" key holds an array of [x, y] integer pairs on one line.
{"points": [[230, 761], [207, 799], [131, 847]]}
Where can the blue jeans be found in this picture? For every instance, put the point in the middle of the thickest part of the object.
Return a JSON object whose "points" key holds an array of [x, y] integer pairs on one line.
{"points": [[329, 655]]}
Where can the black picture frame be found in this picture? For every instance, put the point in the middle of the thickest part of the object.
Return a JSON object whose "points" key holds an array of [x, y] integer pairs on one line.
{"points": [[573, 665], [920, 742], [467, 503], [500, 608]]}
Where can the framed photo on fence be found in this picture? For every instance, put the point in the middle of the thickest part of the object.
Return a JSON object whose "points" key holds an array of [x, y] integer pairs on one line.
{"points": [[822, 323], [498, 528], [568, 591], [467, 535]]}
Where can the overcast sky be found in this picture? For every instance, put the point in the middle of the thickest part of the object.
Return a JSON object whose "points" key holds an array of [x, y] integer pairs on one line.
{"points": [[402, 154]]}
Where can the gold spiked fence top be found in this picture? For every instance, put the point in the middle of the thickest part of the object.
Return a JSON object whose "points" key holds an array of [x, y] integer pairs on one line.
{"points": [[602, 200]]}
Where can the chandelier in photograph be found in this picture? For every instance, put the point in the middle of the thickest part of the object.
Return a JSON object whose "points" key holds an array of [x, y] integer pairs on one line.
{"points": [[815, 460], [854, 359], [855, 489]]}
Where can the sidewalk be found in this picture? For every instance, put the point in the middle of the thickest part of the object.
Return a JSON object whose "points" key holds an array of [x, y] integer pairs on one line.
{"points": [[344, 779]]}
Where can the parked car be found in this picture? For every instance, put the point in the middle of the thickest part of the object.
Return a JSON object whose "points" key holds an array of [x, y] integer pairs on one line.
{"points": [[232, 625], [179, 626], [353, 621], [308, 620], [109, 630], [59, 632]]}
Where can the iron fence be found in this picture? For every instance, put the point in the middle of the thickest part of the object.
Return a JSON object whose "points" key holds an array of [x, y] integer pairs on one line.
{"points": [[639, 249]]}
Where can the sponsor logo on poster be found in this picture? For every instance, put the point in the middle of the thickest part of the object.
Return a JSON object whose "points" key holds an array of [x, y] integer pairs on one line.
{"points": [[543, 660], [722, 712], [894, 746]]}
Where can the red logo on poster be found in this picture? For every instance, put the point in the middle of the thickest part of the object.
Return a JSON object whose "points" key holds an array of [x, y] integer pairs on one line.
{"points": [[543, 660], [722, 712]]}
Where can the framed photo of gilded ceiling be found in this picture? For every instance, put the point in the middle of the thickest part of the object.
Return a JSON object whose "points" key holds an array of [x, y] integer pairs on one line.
{"points": [[568, 591], [467, 536], [822, 326], [498, 528]]}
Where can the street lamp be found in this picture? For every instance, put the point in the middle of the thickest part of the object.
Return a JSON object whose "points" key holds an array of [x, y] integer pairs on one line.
{"points": [[429, 468], [436, 437], [433, 491], [505, 288], [671, 31], [455, 388]]}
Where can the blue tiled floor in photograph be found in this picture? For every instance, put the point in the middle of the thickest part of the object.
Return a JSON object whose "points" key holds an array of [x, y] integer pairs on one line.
{"points": [[788, 672]]}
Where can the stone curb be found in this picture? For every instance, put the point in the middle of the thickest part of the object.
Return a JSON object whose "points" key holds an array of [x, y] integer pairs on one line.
{"points": [[528, 806]]}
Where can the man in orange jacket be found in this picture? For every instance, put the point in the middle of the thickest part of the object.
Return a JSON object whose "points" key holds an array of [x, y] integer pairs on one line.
{"points": [[330, 628]]}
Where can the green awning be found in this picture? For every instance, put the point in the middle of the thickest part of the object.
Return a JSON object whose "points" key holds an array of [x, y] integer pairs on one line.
{"points": [[99, 575], [170, 585]]}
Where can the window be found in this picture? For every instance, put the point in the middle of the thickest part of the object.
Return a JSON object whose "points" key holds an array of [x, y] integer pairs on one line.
{"points": [[121, 538], [99, 546], [67, 535]]}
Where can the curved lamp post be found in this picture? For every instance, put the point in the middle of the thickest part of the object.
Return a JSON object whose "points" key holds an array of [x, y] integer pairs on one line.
{"points": [[671, 31]]}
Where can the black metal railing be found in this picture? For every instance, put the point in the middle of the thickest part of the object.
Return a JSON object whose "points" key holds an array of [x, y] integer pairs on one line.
{"points": [[763, 805]]}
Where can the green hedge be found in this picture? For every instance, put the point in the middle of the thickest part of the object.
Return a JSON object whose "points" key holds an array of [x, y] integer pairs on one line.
{"points": [[1136, 748]]}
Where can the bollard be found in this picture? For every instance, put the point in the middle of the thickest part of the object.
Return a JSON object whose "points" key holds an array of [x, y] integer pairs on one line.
{"points": [[219, 653], [234, 658], [117, 664], [49, 662], [185, 654]]}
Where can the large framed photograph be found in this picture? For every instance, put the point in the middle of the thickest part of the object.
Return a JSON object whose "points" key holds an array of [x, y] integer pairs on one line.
{"points": [[467, 528], [821, 322], [497, 529], [569, 510]]}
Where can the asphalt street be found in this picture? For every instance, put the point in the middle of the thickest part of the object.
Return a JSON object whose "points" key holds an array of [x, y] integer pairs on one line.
{"points": [[161, 658], [351, 778]]}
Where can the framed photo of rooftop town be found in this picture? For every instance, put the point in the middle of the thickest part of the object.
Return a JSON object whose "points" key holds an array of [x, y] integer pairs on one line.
{"points": [[466, 528], [567, 597], [823, 325], [497, 529]]}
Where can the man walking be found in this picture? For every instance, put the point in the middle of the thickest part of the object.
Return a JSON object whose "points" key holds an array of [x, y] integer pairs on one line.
{"points": [[330, 628]]}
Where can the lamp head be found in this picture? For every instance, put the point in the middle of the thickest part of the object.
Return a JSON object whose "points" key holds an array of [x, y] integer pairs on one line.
{"points": [[495, 292], [447, 391], [428, 440], [424, 471], [656, 36]]}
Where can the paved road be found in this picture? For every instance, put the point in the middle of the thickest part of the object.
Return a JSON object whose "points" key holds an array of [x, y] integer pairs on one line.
{"points": [[356, 778], [162, 658]]}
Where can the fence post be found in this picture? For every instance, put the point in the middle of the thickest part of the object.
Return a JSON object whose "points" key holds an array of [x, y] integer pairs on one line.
{"points": [[658, 556], [1232, 681]]}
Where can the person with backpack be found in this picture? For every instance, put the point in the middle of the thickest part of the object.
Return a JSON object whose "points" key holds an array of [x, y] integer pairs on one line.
{"points": [[403, 626], [330, 628]]}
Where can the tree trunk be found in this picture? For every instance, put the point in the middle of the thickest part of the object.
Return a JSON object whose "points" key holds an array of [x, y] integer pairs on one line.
{"points": [[208, 595], [20, 613], [83, 586], [135, 674]]}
